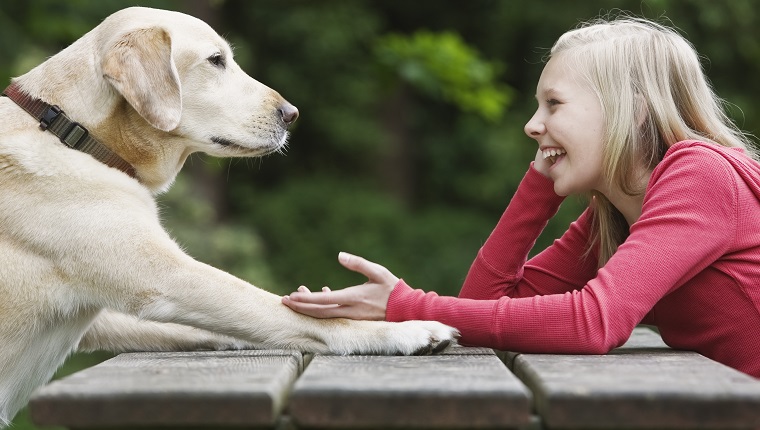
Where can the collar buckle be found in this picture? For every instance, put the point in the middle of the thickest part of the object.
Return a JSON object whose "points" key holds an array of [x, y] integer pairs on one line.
{"points": [[49, 116]]}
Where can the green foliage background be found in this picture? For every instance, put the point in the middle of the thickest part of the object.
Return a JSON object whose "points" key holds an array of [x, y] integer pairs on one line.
{"points": [[410, 141]]}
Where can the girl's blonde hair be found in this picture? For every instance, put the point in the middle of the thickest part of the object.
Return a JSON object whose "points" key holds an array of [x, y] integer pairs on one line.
{"points": [[653, 94]]}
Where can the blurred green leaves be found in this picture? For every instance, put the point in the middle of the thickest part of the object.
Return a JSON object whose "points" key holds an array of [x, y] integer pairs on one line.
{"points": [[410, 140], [307, 224], [192, 222], [443, 66]]}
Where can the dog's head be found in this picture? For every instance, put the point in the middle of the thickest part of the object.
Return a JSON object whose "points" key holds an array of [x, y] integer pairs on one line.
{"points": [[179, 75]]}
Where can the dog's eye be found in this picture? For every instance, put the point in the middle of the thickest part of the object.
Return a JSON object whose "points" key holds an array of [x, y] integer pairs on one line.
{"points": [[217, 60]]}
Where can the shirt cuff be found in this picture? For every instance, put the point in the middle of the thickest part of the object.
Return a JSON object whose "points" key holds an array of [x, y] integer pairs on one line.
{"points": [[400, 302]]}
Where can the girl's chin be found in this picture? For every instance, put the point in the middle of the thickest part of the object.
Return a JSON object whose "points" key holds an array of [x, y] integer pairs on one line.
{"points": [[560, 188], [560, 192]]}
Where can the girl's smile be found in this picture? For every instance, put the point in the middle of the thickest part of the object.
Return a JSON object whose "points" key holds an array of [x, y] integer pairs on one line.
{"points": [[553, 155]]}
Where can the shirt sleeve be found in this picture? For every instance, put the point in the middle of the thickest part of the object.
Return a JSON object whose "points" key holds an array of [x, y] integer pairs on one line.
{"points": [[691, 192], [501, 267]]}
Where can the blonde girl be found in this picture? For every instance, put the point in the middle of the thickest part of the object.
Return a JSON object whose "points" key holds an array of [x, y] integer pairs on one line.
{"points": [[671, 236]]}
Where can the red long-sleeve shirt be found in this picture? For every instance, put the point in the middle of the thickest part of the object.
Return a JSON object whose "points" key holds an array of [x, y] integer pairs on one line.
{"points": [[690, 266]]}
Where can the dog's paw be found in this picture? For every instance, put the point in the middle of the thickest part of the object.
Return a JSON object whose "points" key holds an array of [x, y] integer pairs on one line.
{"points": [[404, 338], [423, 337], [389, 338]]}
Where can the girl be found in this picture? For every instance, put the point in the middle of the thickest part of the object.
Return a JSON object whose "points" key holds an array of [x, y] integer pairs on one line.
{"points": [[670, 238]]}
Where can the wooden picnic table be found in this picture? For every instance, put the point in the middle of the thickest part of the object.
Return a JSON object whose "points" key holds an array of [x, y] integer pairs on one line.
{"points": [[643, 384]]}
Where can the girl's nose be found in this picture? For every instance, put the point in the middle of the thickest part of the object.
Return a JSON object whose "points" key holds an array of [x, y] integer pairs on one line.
{"points": [[534, 128]]}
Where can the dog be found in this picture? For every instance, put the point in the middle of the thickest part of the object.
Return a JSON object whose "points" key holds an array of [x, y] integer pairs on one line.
{"points": [[87, 138]]}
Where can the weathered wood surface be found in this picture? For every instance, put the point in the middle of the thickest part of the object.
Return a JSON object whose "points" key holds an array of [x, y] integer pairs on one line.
{"points": [[643, 384], [215, 388], [640, 385], [462, 388]]}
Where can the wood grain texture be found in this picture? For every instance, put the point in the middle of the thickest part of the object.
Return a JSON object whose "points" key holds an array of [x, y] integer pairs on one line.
{"points": [[172, 388], [643, 384], [453, 390]]}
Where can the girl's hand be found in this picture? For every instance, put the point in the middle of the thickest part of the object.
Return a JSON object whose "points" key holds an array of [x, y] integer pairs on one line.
{"points": [[541, 165], [367, 301]]}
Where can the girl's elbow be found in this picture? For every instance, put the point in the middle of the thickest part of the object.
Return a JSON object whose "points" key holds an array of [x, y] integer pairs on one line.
{"points": [[599, 348], [601, 345]]}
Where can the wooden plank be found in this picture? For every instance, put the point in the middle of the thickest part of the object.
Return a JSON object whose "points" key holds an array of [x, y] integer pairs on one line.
{"points": [[462, 388], [224, 388], [642, 337], [643, 384]]}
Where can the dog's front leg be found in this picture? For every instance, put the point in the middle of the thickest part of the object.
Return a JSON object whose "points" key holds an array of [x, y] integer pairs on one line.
{"points": [[159, 282], [126, 262], [202, 296], [118, 332]]}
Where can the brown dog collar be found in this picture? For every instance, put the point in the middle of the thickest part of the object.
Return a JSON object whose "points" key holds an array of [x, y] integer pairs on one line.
{"points": [[71, 133]]}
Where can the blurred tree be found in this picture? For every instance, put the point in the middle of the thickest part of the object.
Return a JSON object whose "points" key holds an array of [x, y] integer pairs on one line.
{"points": [[443, 67], [403, 120]]}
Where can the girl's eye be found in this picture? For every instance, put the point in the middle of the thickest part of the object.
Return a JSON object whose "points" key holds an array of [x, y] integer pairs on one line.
{"points": [[552, 102], [217, 60]]}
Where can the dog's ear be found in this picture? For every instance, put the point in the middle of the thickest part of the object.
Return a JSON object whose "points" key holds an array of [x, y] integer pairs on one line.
{"points": [[140, 66]]}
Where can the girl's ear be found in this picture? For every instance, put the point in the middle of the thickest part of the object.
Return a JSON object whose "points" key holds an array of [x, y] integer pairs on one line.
{"points": [[140, 67]]}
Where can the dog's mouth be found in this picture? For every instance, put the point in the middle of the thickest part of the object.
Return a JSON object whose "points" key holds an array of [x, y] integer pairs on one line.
{"points": [[225, 142], [246, 150]]}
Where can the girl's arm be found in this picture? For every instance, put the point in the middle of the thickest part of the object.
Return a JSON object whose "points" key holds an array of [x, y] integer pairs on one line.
{"points": [[693, 192], [500, 267], [564, 266]]}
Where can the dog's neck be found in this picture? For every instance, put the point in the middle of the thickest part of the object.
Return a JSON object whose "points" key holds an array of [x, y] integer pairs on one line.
{"points": [[74, 135], [155, 155]]}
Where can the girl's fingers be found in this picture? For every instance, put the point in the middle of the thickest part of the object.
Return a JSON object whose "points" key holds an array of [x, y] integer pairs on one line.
{"points": [[372, 271], [340, 297], [314, 310], [332, 305]]}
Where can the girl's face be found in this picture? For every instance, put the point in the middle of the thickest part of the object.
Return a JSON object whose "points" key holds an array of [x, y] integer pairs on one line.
{"points": [[568, 126]]}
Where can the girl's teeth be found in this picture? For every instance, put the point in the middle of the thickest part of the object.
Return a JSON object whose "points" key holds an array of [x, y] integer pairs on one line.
{"points": [[553, 152]]}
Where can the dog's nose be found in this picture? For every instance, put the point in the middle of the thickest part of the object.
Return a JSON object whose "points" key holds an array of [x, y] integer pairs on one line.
{"points": [[289, 113]]}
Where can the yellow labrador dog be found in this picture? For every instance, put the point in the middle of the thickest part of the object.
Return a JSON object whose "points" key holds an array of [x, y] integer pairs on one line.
{"points": [[86, 139]]}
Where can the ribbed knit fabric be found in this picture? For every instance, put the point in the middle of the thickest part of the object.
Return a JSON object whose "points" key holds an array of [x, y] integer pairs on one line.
{"points": [[691, 266]]}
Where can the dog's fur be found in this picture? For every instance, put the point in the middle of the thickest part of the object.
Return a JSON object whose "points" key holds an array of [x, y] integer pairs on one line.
{"points": [[84, 261]]}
